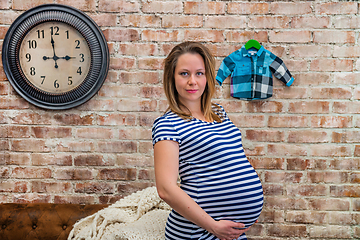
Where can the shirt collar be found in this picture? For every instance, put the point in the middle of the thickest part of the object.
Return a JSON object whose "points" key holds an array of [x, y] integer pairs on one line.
{"points": [[245, 53]]}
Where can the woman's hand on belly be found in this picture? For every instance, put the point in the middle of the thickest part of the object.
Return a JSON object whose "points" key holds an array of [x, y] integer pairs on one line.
{"points": [[228, 230]]}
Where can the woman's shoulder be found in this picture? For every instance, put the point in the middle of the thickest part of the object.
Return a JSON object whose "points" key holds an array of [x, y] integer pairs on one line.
{"points": [[219, 110]]}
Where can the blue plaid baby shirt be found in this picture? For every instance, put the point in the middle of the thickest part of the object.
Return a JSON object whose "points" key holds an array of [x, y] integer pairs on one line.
{"points": [[251, 73]]}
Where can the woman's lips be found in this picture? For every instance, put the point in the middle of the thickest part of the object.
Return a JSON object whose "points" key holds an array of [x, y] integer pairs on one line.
{"points": [[191, 91]]}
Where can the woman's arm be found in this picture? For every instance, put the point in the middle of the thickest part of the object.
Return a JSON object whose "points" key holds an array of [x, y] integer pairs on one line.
{"points": [[166, 157]]}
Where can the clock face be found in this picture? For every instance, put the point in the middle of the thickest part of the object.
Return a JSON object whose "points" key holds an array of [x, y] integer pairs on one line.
{"points": [[54, 57]]}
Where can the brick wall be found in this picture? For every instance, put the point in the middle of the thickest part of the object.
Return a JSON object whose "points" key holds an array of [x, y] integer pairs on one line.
{"points": [[304, 141]]}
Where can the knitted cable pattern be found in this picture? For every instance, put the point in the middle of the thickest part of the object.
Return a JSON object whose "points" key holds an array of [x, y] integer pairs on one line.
{"points": [[141, 215]]}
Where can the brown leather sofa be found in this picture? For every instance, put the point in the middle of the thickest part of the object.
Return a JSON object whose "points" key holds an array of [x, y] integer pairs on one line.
{"points": [[41, 221]]}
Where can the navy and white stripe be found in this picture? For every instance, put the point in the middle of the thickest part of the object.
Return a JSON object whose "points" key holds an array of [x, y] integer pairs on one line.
{"points": [[213, 170]]}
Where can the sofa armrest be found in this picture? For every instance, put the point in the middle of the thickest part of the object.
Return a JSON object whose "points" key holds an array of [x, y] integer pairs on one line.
{"points": [[41, 221]]}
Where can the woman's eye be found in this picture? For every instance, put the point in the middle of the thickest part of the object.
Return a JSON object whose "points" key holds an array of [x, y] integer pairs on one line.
{"points": [[184, 73], [200, 73]]}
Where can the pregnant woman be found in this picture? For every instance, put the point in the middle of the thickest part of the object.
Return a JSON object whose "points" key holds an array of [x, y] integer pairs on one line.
{"points": [[220, 195]]}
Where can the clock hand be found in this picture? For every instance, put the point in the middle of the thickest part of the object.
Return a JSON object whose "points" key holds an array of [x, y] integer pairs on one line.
{"points": [[66, 57], [53, 47]]}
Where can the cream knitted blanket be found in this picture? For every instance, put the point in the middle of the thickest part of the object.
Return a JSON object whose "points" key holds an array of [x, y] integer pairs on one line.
{"points": [[141, 215]]}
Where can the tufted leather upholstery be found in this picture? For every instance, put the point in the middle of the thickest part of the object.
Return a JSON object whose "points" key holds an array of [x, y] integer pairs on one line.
{"points": [[41, 221]]}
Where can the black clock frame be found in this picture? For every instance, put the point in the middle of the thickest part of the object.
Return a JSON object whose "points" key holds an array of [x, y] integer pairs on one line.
{"points": [[80, 21]]}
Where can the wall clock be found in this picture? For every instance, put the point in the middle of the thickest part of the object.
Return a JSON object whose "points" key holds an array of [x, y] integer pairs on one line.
{"points": [[55, 56]]}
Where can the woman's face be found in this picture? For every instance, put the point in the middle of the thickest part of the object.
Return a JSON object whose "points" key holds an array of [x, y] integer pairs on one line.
{"points": [[190, 79]]}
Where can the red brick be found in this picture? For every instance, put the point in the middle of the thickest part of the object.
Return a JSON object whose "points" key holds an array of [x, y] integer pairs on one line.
{"points": [[29, 145], [257, 150], [346, 52], [271, 216], [346, 137], [330, 231], [31, 198], [273, 189], [204, 35], [122, 63], [345, 191], [74, 119], [139, 77], [118, 174], [117, 146], [297, 164], [13, 187], [312, 79], [74, 199], [98, 105], [340, 217], [27, 4], [95, 188], [31, 172], [18, 159], [75, 146], [140, 21], [345, 164], [283, 177], [162, 7], [306, 217], [94, 133], [336, 8], [289, 93], [244, 36], [138, 49], [44, 159], [247, 8], [4, 88], [114, 119], [334, 36], [13, 103], [288, 121], [269, 22], [331, 93], [83, 5], [355, 178], [151, 63], [307, 136], [329, 204], [330, 150], [267, 163], [4, 172], [265, 135], [4, 145], [331, 65], [134, 160], [277, 230], [311, 22], [51, 187], [309, 107], [146, 174], [104, 19], [204, 8], [305, 51], [285, 203], [264, 106], [51, 132], [137, 105], [72, 174], [290, 8], [17, 131], [227, 22], [135, 133], [347, 22], [331, 121], [93, 160], [120, 35], [287, 149], [306, 190], [290, 36], [327, 177], [31, 118], [127, 188], [160, 35], [346, 107], [118, 6]]}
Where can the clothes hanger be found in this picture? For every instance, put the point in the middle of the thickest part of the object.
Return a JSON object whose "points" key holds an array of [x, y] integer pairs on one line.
{"points": [[252, 43]]}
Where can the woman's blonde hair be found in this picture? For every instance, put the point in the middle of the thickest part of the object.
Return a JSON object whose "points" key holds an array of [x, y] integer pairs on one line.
{"points": [[169, 80]]}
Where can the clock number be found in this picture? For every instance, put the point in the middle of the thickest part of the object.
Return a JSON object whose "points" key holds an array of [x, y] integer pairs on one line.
{"points": [[43, 79], [70, 82], [82, 59], [32, 71], [28, 57], [56, 84], [79, 71], [32, 44], [41, 33], [67, 34], [54, 30], [77, 44]]}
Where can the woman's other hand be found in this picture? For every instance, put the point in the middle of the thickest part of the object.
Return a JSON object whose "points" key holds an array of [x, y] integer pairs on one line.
{"points": [[229, 230]]}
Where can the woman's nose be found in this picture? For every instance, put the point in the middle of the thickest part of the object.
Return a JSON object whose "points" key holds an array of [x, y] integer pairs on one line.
{"points": [[191, 80]]}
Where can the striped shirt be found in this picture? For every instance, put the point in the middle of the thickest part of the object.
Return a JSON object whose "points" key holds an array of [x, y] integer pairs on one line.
{"points": [[214, 172]]}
